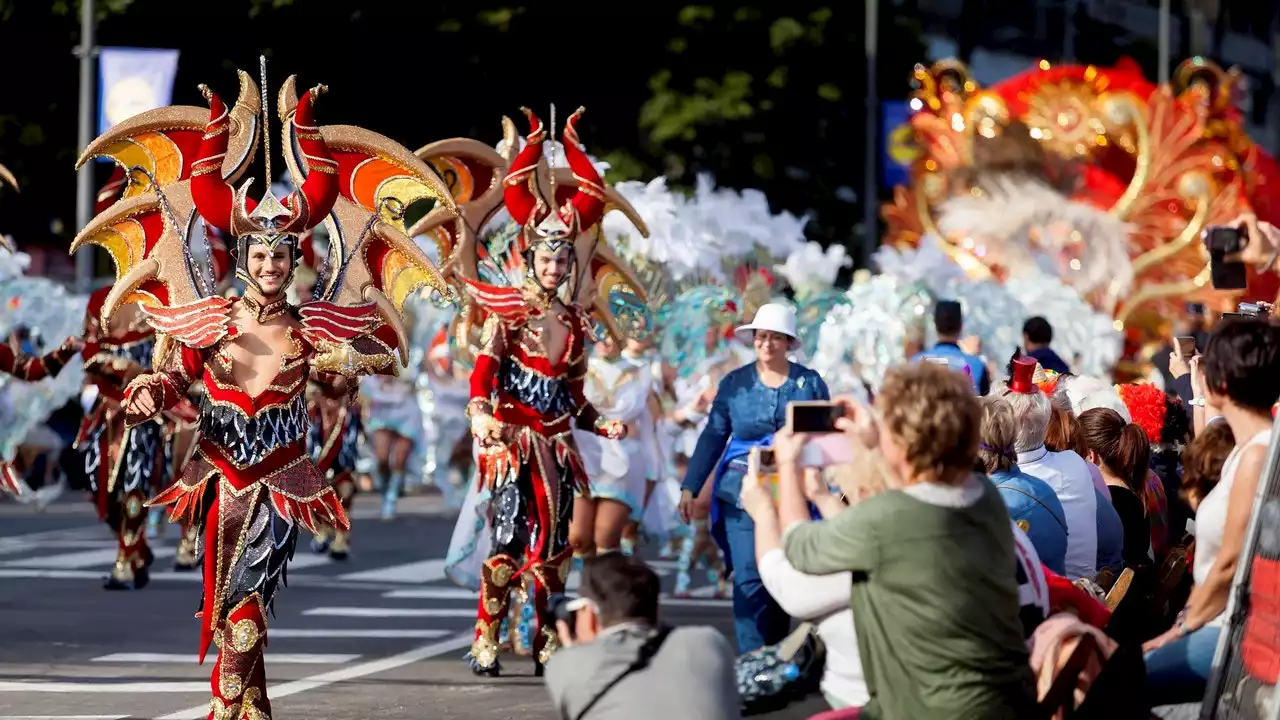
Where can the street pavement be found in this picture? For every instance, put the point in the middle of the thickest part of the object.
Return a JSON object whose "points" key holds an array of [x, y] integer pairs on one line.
{"points": [[381, 635]]}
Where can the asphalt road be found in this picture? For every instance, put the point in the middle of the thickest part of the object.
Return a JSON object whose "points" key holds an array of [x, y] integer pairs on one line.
{"points": [[381, 635]]}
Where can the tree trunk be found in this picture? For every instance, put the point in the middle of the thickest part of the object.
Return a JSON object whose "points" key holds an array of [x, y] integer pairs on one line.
{"points": [[1219, 31]]}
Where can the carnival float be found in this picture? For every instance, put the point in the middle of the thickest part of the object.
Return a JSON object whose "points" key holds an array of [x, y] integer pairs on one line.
{"points": [[1091, 177]]}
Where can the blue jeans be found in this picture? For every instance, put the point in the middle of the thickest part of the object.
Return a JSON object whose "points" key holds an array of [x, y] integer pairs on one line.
{"points": [[1179, 672], [757, 618]]}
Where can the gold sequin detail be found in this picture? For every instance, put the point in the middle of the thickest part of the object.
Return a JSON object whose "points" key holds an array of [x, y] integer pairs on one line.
{"points": [[134, 506], [485, 651], [493, 606], [343, 359], [244, 635], [230, 685], [1024, 526], [550, 646], [502, 575], [251, 711], [218, 711]]}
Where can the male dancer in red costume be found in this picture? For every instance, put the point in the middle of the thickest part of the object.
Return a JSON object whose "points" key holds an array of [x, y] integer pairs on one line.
{"points": [[334, 442], [252, 483], [31, 369], [526, 389], [124, 465]]}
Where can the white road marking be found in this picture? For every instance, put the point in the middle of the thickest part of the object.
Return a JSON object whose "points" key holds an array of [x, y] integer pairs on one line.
{"points": [[423, 571], [414, 634], [78, 560], [372, 667], [301, 562], [433, 593], [376, 612], [694, 602], [64, 717], [192, 658], [87, 574], [135, 688]]}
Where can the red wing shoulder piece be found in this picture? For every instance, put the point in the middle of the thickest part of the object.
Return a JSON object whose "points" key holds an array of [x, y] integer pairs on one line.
{"points": [[199, 324], [508, 303], [326, 322]]}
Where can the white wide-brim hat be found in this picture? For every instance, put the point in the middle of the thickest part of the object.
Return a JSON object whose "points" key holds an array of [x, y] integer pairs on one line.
{"points": [[771, 316]]}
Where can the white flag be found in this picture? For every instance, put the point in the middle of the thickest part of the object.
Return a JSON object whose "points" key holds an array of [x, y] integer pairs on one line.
{"points": [[133, 80]]}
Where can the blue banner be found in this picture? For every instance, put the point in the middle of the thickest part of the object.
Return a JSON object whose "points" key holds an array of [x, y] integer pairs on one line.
{"points": [[133, 80], [900, 148]]}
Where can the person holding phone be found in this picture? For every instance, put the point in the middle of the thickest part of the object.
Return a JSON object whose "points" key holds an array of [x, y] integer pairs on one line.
{"points": [[749, 407]]}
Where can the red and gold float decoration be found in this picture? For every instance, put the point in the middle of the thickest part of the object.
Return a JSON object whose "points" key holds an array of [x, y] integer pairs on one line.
{"points": [[1167, 161]]}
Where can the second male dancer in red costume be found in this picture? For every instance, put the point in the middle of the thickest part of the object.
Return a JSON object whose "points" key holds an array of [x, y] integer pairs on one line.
{"points": [[526, 392]]}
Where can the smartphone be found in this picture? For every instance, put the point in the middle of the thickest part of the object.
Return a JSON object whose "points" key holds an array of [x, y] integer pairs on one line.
{"points": [[1185, 346], [762, 465], [1220, 242], [805, 416]]}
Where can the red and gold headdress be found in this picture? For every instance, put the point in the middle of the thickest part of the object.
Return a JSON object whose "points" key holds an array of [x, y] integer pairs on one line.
{"points": [[541, 225], [270, 221], [181, 164]]}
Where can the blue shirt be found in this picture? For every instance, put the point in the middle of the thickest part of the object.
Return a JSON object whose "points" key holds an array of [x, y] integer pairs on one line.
{"points": [[1035, 507], [1050, 360], [748, 410], [959, 360]]}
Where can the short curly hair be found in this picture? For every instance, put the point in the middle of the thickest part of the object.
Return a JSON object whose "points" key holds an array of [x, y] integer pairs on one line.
{"points": [[1203, 459], [932, 412]]}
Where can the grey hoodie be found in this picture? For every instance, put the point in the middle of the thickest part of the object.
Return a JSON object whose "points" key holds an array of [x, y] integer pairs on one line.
{"points": [[690, 677]]}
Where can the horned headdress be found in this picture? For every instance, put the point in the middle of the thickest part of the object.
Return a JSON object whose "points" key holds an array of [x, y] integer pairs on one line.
{"points": [[182, 164], [540, 224]]}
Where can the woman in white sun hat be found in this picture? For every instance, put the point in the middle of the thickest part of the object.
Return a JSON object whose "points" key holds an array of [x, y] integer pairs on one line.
{"points": [[749, 407]]}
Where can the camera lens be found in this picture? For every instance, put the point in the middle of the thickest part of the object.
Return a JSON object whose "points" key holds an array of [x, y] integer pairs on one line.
{"points": [[558, 608]]}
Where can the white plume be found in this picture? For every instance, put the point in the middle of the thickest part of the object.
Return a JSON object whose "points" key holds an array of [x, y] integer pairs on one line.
{"points": [[1031, 229], [811, 269]]}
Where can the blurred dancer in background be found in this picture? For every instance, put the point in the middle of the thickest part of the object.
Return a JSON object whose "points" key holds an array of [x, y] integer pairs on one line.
{"points": [[395, 424]]}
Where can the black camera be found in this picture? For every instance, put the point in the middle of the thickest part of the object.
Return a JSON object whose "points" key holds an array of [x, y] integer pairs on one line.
{"points": [[558, 608], [1219, 242]]}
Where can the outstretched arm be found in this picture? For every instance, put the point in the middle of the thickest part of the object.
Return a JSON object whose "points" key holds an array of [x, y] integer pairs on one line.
{"points": [[31, 369], [160, 390], [588, 417]]}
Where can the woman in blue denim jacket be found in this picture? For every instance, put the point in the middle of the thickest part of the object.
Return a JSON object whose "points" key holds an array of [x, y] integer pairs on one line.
{"points": [[749, 407]]}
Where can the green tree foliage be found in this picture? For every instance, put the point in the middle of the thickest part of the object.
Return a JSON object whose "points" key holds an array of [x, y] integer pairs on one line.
{"points": [[765, 96], [756, 96]]}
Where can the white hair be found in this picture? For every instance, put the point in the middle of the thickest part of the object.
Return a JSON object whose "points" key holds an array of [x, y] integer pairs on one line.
{"points": [[1031, 412], [1086, 393]]}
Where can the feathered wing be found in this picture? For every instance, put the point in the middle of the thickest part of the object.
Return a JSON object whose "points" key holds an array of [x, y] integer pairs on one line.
{"points": [[473, 172], [371, 258], [146, 231]]}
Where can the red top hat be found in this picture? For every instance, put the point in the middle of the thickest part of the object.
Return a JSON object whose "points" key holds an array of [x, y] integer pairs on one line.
{"points": [[1024, 371]]}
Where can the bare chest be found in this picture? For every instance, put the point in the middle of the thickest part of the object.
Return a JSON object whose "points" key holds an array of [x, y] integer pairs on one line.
{"points": [[256, 358], [552, 336]]}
